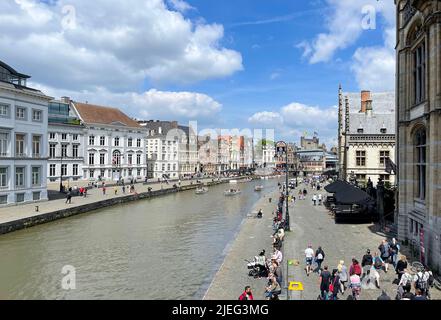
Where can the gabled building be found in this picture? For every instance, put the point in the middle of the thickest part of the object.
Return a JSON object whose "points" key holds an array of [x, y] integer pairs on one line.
{"points": [[366, 135], [23, 139], [114, 144]]}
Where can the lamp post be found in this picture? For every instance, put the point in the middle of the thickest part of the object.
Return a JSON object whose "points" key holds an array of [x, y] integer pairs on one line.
{"points": [[282, 147], [61, 171]]}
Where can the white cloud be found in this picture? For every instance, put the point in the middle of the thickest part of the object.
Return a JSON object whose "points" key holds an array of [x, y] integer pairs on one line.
{"points": [[274, 75], [115, 44], [181, 6], [294, 119], [149, 105], [344, 27]]}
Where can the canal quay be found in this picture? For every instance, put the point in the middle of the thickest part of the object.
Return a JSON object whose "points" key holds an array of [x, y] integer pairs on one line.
{"points": [[165, 247]]}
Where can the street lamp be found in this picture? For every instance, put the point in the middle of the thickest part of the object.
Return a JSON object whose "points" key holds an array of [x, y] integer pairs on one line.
{"points": [[282, 147], [61, 171]]}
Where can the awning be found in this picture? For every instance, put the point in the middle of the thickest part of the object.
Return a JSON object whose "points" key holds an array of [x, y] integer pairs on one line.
{"points": [[346, 193], [336, 186]]}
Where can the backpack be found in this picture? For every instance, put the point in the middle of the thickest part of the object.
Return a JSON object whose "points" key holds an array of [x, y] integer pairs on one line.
{"points": [[420, 283]]}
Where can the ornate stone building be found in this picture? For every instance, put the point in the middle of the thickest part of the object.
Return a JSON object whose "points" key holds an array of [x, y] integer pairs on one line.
{"points": [[366, 135], [419, 125]]}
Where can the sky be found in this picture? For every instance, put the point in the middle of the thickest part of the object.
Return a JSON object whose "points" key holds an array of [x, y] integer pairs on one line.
{"points": [[242, 64]]}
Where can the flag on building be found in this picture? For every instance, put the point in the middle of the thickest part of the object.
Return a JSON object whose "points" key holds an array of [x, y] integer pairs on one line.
{"points": [[390, 166]]}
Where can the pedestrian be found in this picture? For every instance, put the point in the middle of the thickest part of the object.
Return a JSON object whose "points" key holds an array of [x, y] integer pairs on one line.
{"points": [[325, 281], [320, 198], [319, 257], [247, 294], [378, 263], [383, 296], [421, 280], [104, 190], [116, 191], [273, 289], [372, 279], [277, 270], [314, 199], [406, 280], [366, 262], [124, 189], [419, 295], [309, 256], [277, 255], [385, 254], [343, 274], [335, 287], [355, 268], [85, 192], [401, 266], [355, 285], [69, 197], [394, 251]]}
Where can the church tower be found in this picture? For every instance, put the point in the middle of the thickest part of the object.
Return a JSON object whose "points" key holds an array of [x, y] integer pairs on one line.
{"points": [[341, 140]]}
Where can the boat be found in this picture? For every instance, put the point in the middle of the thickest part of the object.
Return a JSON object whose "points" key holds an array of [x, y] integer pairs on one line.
{"points": [[201, 190], [258, 188], [232, 192]]}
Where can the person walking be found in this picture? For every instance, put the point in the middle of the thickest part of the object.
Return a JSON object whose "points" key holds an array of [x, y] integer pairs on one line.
{"points": [[325, 281], [366, 262], [343, 275], [309, 257], [394, 251], [355, 268], [320, 198], [314, 199], [385, 254], [401, 266], [247, 294], [355, 285], [335, 287], [319, 257], [406, 280], [69, 197], [124, 189], [85, 192], [104, 190]]}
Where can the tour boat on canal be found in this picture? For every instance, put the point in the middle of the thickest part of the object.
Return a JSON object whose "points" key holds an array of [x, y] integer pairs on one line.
{"points": [[201, 190], [258, 188], [232, 192]]}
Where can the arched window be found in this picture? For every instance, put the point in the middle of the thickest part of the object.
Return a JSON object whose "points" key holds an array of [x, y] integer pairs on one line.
{"points": [[116, 158], [421, 156]]}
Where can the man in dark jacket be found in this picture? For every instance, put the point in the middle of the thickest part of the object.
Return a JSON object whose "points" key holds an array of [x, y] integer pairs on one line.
{"points": [[401, 266], [366, 263]]}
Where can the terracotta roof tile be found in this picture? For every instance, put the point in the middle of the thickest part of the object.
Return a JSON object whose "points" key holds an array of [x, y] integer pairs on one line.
{"points": [[104, 115]]}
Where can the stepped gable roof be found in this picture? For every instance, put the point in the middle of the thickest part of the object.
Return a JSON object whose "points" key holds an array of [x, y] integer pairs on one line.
{"points": [[90, 113]]}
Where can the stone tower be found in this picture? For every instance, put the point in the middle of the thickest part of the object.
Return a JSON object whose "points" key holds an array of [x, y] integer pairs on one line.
{"points": [[341, 142]]}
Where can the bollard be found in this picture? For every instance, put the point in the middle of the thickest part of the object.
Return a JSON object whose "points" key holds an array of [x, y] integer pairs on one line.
{"points": [[37, 209]]}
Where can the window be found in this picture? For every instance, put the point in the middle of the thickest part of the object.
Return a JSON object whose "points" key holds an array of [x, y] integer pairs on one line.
{"points": [[20, 113], [64, 169], [19, 145], [102, 158], [52, 170], [360, 130], [138, 143], [36, 143], [130, 142], [36, 174], [75, 151], [36, 196], [102, 141], [419, 73], [4, 110], [19, 177], [91, 173], [75, 170], [91, 140], [3, 144], [421, 149], [116, 142], [52, 135], [168, 167], [52, 150], [138, 159], [116, 159], [36, 115], [383, 156], [383, 130], [102, 173], [361, 158], [64, 136], [3, 199], [75, 137], [130, 172], [91, 159], [64, 150], [385, 177], [129, 159], [138, 172], [3, 178], [19, 197]]}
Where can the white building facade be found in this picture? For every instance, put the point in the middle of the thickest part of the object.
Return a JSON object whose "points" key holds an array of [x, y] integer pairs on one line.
{"points": [[23, 136]]}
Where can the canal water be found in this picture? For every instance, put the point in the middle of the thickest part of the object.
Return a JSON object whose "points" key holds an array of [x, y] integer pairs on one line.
{"points": [[163, 248]]}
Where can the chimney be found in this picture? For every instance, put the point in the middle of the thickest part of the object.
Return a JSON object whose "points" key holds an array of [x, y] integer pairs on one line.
{"points": [[369, 107], [365, 96], [65, 99]]}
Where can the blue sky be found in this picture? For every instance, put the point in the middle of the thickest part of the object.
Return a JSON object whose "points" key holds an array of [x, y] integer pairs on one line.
{"points": [[227, 64]]}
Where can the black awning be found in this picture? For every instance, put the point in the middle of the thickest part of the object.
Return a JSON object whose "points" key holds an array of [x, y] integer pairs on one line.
{"points": [[352, 195], [336, 186]]}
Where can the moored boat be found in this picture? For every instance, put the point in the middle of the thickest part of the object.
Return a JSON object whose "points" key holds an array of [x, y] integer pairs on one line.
{"points": [[258, 188], [232, 192], [201, 190]]}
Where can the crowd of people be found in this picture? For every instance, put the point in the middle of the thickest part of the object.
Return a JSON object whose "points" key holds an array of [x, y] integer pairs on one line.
{"points": [[367, 274], [270, 269]]}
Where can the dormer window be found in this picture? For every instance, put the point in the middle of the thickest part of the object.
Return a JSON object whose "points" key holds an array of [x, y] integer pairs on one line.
{"points": [[360, 130], [383, 130]]}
